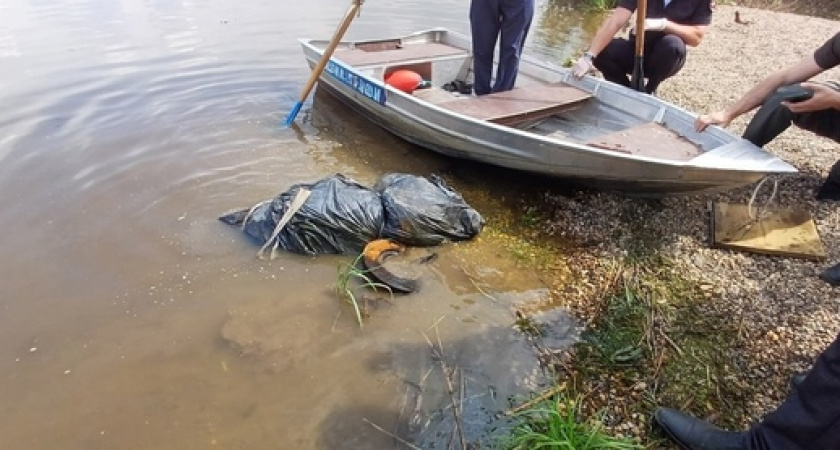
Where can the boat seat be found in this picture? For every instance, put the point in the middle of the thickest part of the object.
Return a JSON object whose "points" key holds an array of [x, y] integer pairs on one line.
{"points": [[521, 104], [399, 54], [648, 139]]}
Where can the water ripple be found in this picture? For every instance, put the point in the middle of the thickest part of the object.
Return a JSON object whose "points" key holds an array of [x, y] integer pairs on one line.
{"points": [[127, 127]]}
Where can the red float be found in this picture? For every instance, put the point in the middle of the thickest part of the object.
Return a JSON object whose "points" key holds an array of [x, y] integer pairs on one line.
{"points": [[404, 80]]}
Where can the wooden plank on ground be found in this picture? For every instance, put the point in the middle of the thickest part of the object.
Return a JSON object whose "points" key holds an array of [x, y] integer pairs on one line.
{"points": [[777, 231], [520, 104], [410, 52], [648, 139]]}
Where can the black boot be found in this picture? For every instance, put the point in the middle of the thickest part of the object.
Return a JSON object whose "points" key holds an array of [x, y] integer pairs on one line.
{"points": [[695, 434], [830, 190], [831, 275]]}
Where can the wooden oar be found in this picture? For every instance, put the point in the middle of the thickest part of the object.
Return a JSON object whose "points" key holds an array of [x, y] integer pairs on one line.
{"points": [[316, 72], [637, 81]]}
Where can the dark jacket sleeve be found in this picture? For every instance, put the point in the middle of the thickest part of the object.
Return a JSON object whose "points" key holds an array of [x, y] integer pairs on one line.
{"points": [[702, 14], [627, 4], [828, 56]]}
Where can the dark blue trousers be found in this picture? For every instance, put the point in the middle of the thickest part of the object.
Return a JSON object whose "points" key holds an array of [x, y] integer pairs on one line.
{"points": [[773, 118], [505, 21], [664, 56], [809, 419]]}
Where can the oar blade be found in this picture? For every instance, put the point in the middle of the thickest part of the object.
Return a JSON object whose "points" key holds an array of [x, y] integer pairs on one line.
{"points": [[290, 119]]}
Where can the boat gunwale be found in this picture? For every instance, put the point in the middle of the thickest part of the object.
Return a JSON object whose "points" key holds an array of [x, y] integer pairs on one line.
{"points": [[588, 83]]}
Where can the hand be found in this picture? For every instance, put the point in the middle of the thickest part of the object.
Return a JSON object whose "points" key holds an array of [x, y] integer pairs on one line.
{"points": [[825, 97], [582, 66], [721, 118]]}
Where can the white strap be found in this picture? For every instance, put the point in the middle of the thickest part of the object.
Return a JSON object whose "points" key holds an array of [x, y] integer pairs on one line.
{"points": [[297, 202]]}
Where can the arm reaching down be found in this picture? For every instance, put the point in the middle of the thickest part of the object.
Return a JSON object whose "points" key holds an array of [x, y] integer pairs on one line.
{"points": [[803, 70], [609, 28]]}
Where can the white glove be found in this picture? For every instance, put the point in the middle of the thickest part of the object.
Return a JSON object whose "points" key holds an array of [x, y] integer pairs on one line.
{"points": [[655, 24], [652, 25], [582, 66]]}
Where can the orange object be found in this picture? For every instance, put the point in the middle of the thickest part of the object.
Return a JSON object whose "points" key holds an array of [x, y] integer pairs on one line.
{"points": [[404, 80]]}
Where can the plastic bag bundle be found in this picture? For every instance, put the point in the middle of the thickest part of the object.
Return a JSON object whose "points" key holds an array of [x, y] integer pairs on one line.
{"points": [[339, 215], [425, 211]]}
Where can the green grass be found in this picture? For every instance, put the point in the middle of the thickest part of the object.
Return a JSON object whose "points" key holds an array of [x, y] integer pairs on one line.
{"points": [[654, 335], [559, 424], [657, 328], [620, 338], [531, 217], [350, 278]]}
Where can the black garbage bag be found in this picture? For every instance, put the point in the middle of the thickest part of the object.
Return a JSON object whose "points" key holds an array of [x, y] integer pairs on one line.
{"points": [[338, 216], [423, 211]]}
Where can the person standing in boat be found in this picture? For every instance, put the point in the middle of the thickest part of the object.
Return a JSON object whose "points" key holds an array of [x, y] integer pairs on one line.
{"points": [[505, 21], [670, 25]]}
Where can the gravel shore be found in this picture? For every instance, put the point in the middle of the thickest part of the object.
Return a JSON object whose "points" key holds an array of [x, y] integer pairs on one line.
{"points": [[789, 315]]}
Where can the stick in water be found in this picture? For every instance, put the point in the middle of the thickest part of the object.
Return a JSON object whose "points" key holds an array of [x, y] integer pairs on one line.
{"points": [[316, 72]]}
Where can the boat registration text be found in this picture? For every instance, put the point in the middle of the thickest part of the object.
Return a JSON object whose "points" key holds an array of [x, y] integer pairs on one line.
{"points": [[355, 81]]}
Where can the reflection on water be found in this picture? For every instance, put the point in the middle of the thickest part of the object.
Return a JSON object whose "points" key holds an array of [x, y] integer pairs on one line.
{"points": [[564, 30], [131, 318]]}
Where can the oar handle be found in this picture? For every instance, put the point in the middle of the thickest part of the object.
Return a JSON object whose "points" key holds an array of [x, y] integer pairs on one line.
{"points": [[641, 15], [325, 57], [637, 79]]}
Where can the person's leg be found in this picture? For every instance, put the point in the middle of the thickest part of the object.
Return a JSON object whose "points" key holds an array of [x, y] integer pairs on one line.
{"points": [[663, 58], [484, 25], [770, 120], [516, 21], [830, 190], [830, 275], [810, 417], [825, 123], [616, 61], [773, 118]]}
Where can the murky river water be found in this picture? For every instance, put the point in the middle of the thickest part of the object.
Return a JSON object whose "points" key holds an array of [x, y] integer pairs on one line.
{"points": [[131, 318]]}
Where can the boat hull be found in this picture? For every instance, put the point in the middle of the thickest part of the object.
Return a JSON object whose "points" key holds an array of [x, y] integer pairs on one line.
{"points": [[731, 162]]}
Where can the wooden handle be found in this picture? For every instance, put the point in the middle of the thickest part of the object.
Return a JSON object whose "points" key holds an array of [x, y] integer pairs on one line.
{"points": [[641, 15], [339, 33], [325, 57]]}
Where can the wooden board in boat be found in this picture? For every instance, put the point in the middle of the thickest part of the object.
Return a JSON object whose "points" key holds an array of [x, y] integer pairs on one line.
{"points": [[519, 104], [385, 54], [648, 139]]}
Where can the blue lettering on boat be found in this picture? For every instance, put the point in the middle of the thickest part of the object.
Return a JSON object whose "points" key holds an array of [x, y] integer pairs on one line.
{"points": [[356, 81]]}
